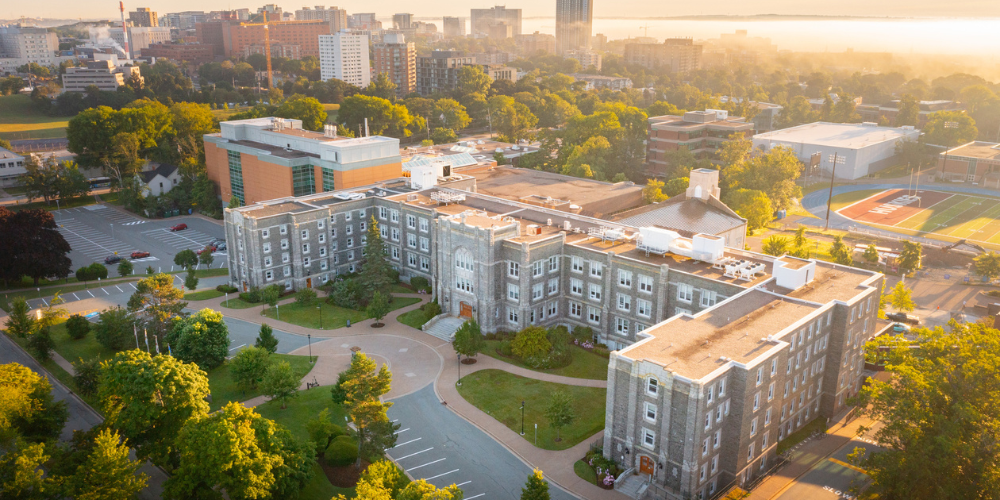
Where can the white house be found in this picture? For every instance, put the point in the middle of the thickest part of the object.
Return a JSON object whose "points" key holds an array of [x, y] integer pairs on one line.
{"points": [[161, 179]]}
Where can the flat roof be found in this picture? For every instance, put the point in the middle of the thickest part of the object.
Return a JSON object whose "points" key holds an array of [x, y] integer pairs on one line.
{"points": [[831, 283], [840, 135], [735, 330], [517, 183], [977, 149], [674, 121], [277, 209]]}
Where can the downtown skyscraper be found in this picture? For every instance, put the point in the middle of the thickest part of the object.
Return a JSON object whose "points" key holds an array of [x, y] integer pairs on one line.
{"points": [[574, 24]]}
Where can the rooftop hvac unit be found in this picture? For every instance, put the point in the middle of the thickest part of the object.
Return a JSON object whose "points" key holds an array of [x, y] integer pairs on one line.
{"points": [[548, 222], [566, 225], [534, 229], [411, 197]]}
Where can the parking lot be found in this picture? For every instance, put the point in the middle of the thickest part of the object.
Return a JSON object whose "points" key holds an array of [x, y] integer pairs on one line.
{"points": [[95, 232]]}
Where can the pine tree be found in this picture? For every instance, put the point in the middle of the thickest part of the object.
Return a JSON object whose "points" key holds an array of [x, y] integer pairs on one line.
{"points": [[266, 339], [536, 488], [376, 269], [20, 322]]}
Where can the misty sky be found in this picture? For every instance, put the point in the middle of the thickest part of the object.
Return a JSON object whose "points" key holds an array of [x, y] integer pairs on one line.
{"points": [[108, 9]]}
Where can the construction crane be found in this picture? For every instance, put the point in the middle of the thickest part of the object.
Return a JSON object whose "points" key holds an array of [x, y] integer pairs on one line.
{"points": [[645, 29], [267, 46]]}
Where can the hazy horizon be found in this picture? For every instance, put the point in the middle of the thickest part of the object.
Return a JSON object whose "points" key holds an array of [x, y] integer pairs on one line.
{"points": [[108, 9]]}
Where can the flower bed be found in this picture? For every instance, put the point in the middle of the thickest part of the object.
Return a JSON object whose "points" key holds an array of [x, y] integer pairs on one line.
{"points": [[604, 470]]}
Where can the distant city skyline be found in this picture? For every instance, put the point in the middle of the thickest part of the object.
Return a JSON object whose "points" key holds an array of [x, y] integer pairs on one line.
{"points": [[107, 9]]}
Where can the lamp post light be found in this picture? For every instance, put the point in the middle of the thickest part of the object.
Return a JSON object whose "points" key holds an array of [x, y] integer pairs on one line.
{"points": [[522, 417], [835, 158], [459, 369], [320, 308], [310, 337]]}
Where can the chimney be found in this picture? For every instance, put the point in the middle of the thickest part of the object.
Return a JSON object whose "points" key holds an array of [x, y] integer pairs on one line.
{"points": [[366, 127]]}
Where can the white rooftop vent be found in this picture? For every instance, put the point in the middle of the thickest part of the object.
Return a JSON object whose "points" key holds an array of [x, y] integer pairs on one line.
{"points": [[499, 150]]}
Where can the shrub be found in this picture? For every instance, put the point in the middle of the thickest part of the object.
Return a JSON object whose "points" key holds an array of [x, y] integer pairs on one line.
{"points": [[346, 293], [583, 333], [531, 342], [602, 351], [393, 275], [86, 375], [226, 289], [433, 308], [559, 337], [77, 326], [342, 451], [505, 348], [252, 296], [116, 329], [41, 344], [420, 283], [305, 296]]}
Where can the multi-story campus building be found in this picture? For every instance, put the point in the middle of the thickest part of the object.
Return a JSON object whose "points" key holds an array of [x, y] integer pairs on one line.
{"points": [[266, 158], [700, 132], [336, 17], [344, 56], [438, 72], [719, 352], [102, 74], [453, 27], [529, 44], [397, 58], [21, 44], [977, 162]]}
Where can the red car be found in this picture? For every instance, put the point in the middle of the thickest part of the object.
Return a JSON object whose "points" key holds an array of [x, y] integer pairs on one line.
{"points": [[179, 227], [209, 249], [140, 255]]}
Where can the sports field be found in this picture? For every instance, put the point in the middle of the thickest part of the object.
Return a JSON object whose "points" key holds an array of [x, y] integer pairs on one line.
{"points": [[935, 214]]}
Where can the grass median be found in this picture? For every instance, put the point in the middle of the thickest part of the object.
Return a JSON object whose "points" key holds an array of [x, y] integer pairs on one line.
{"points": [[585, 364], [500, 394], [322, 316]]}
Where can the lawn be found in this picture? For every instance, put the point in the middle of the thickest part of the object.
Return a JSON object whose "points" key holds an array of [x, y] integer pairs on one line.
{"points": [[224, 388], [585, 472], [239, 303], [299, 411], [415, 318], [892, 172], [57, 371], [203, 295], [20, 120], [844, 199], [585, 364], [329, 316], [800, 435], [499, 394]]}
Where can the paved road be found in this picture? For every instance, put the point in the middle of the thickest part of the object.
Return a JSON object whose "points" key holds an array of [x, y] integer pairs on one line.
{"points": [[81, 416], [831, 478], [98, 231], [437, 445]]}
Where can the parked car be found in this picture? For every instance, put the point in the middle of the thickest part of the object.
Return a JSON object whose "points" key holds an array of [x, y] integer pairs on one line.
{"points": [[900, 328], [139, 255], [901, 317], [209, 249], [221, 247], [179, 227], [112, 259]]}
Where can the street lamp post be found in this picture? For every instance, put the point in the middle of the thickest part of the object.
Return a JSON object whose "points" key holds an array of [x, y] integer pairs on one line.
{"points": [[522, 418], [310, 337], [835, 158], [320, 307], [459, 369]]}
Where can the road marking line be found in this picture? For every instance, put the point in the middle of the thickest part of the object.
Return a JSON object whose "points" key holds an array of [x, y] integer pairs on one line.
{"points": [[91, 293], [105, 291], [462, 484], [77, 298], [237, 347], [133, 287], [402, 431], [408, 442], [439, 475], [119, 289], [417, 453], [477, 496], [425, 465], [849, 466]]}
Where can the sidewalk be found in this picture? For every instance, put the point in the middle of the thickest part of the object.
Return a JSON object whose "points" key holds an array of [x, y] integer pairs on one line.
{"points": [[807, 454]]}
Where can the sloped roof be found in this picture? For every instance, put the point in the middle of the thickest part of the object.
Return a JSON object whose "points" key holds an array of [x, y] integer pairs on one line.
{"points": [[164, 169], [687, 216]]}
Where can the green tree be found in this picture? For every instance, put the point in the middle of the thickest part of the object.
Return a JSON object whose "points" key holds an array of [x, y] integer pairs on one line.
{"points": [[909, 258], [773, 172], [449, 113], [375, 271], [202, 338], [840, 252], [125, 268], [33, 246], [21, 472], [355, 109], [27, 407], [510, 118], [280, 382], [901, 298], [871, 254], [108, 473], [797, 112], [468, 339], [247, 368], [322, 431], [77, 327], [51, 313], [228, 452], [775, 245], [148, 399], [361, 389], [186, 258], [560, 412], [442, 135], [595, 152], [909, 111], [753, 205], [41, 344], [950, 128], [938, 408], [536, 488], [158, 302], [988, 264], [20, 322], [270, 295], [377, 308], [305, 297], [382, 87], [653, 192], [472, 80], [385, 475], [266, 339], [87, 375], [191, 280], [116, 329], [531, 342], [422, 490], [205, 257], [800, 240], [307, 109]]}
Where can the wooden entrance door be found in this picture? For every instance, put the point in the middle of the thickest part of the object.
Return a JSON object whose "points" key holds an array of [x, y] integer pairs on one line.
{"points": [[309, 282], [645, 465], [466, 310]]}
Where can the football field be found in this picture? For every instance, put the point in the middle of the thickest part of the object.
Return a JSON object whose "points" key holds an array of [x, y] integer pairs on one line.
{"points": [[945, 216]]}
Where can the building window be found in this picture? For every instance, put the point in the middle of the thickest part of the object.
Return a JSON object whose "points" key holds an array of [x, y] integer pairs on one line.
{"points": [[595, 292], [708, 298], [575, 309], [394, 215], [553, 308], [553, 286], [750, 452], [424, 225], [411, 259], [513, 269], [285, 258], [305, 262], [760, 376], [648, 438], [512, 315], [770, 391], [349, 230], [753, 427], [305, 234], [717, 439], [513, 292], [411, 221], [305, 248], [645, 284], [284, 244], [320, 224], [553, 263], [303, 182], [577, 264], [268, 275], [463, 259], [394, 234], [652, 386], [596, 269], [322, 237], [621, 326], [684, 292], [625, 278], [425, 264], [537, 291], [624, 302], [264, 233], [395, 253], [575, 286], [287, 271], [593, 315], [425, 244], [267, 261], [267, 248], [350, 242], [756, 401], [644, 307], [411, 240], [322, 266], [236, 177], [537, 268]]}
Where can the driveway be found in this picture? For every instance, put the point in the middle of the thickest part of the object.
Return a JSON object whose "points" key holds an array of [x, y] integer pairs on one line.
{"points": [[834, 477]]}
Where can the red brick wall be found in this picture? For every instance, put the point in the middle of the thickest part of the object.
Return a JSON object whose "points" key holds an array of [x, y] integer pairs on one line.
{"points": [[217, 165]]}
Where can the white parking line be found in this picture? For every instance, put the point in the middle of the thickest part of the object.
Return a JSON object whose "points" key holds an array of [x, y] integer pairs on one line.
{"points": [[463, 484], [413, 454], [425, 465], [439, 475], [402, 431], [408, 442], [77, 298], [105, 291], [237, 347], [91, 293], [119, 289], [133, 287], [477, 496]]}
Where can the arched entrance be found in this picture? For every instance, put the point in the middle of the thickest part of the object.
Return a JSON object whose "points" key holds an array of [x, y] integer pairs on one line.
{"points": [[646, 465], [465, 309]]}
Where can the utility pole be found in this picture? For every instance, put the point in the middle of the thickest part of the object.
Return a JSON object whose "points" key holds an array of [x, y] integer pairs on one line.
{"points": [[835, 158]]}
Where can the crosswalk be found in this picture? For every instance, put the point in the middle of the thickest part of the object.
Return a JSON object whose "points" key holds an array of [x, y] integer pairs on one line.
{"points": [[135, 222]]}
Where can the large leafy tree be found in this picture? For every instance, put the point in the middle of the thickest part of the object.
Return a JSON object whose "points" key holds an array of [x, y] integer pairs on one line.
{"points": [[307, 109], [536, 488], [20, 322], [909, 111], [247, 368], [988, 264], [360, 390], [202, 338], [753, 205], [382, 86], [448, 113], [472, 80], [148, 399], [158, 302], [27, 407], [21, 473], [468, 338], [773, 172], [108, 473], [375, 271], [510, 118], [950, 128], [280, 382], [939, 410], [909, 258], [33, 246], [116, 329], [901, 298]]}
